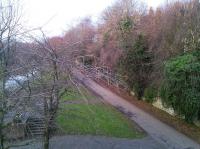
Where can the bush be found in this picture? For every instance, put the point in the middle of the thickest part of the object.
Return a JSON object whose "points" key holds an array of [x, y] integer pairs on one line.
{"points": [[150, 94], [181, 86]]}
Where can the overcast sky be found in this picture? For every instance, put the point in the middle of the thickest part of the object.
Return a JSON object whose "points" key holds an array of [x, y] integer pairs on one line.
{"points": [[58, 15]]}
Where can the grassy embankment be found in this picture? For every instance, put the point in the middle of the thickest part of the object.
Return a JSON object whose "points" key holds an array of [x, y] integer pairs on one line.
{"points": [[93, 117]]}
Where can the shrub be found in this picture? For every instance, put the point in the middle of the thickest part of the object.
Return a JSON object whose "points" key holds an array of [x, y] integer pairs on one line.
{"points": [[150, 94], [181, 86]]}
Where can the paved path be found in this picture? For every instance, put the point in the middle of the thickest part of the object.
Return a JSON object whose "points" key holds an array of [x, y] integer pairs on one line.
{"points": [[95, 142], [159, 131]]}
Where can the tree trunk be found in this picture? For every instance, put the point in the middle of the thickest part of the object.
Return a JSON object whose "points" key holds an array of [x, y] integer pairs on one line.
{"points": [[198, 115], [46, 137], [2, 142], [46, 131]]}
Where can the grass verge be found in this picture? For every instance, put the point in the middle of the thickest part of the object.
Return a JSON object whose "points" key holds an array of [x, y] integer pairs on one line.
{"points": [[74, 94], [98, 119]]}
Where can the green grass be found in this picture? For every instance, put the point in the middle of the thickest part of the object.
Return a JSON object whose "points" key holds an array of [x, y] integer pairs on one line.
{"points": [[74, 94], [99, 119]]}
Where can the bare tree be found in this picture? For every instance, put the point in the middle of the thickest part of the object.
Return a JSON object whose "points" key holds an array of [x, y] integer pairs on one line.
{"points": [[9, 27]]}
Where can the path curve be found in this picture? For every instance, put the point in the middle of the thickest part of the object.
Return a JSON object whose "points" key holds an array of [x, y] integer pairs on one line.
{"points": [[158, 130]]}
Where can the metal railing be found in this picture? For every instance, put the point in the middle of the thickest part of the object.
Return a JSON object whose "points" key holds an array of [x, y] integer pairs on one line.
{"points": [[103, 74]]}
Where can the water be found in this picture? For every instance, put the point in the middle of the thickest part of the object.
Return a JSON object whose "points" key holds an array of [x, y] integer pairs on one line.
{"points": [[14, 81]]}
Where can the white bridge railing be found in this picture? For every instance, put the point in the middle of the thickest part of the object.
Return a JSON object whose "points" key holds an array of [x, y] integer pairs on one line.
{"points": [[103, 74]]}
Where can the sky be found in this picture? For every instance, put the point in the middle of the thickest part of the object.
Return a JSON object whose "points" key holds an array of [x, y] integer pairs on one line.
{"points": [[56, 16], [155, 3]]}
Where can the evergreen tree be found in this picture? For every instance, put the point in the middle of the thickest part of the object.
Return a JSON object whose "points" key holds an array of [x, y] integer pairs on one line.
{"points": [[136, 65]]}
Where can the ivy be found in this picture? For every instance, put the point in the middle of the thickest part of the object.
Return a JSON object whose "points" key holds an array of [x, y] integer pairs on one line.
{"points": [[126, 24], [181, 86]]}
